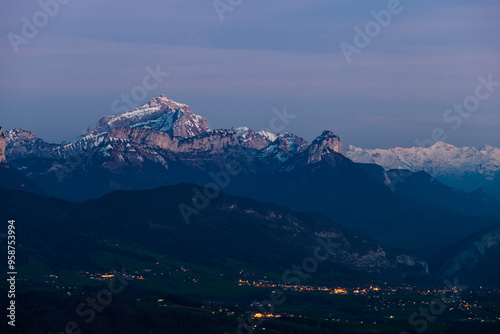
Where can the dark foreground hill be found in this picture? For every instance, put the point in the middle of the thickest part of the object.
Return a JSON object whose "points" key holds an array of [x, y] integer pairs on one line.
{"points": [[66, 235]]}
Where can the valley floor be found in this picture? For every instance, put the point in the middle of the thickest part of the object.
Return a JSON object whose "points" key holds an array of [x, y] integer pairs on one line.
{"points": [[174, 297]]}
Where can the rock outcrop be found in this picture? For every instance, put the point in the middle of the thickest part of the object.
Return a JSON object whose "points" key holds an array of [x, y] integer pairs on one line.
{"points": [[3, 144], [324, 144]]}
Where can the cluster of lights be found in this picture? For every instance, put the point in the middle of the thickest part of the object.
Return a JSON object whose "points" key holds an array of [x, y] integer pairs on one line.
{"points": [[268, 315]]}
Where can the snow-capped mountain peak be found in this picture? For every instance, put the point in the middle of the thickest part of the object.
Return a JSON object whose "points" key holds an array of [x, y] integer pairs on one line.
{"points": [[285, 146], [163, 100], [249, 138], [162, 114], [270, 136]]}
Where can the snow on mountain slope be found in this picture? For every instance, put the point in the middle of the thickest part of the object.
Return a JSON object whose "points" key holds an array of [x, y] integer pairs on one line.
{"points": [[270, 136], [284, 147], [445, 162], [24, 144], [160, 114], [251, 139]]}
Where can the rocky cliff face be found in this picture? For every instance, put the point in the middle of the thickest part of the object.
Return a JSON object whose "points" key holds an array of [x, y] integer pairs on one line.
{"points": [[215, 141], [3, 144], [324, 144]]}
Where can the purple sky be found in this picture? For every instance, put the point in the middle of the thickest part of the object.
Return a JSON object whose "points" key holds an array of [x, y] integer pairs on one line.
{"points": [[263, 55]]}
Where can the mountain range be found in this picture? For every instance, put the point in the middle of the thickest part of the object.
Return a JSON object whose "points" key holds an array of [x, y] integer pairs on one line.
{"points": [[164, 143], [465, 168]]}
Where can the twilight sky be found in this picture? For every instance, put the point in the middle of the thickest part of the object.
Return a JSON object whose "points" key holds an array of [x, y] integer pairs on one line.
{"points": [[263, 55]]}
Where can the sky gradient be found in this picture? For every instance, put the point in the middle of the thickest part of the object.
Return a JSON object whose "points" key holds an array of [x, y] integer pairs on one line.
{"points": [[263, 55]]}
